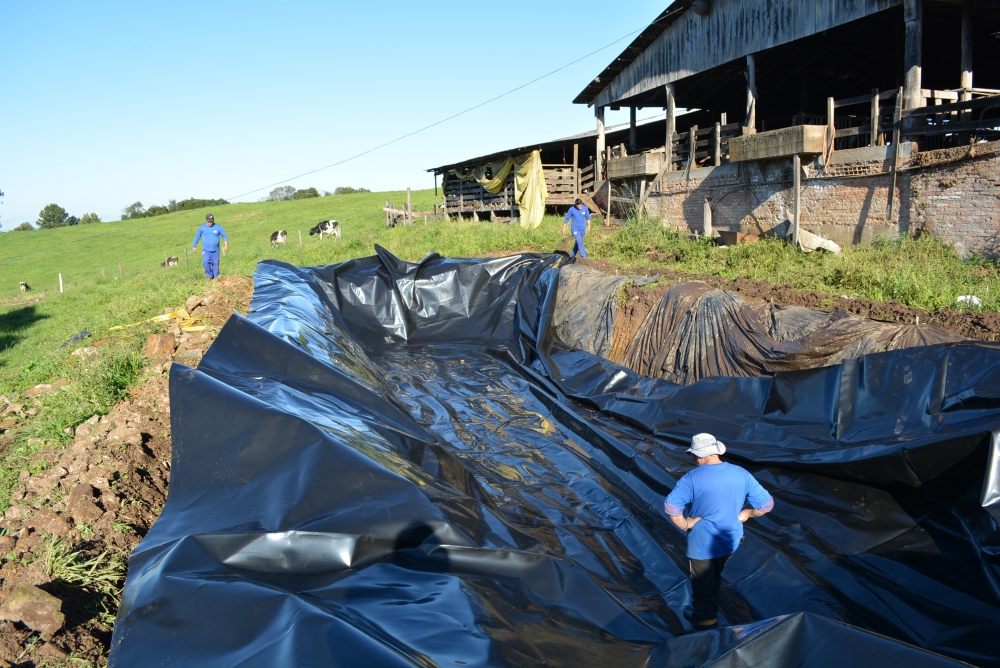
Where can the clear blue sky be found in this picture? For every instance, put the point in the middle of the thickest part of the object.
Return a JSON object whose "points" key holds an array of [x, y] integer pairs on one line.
{"points": [[107, 103]]}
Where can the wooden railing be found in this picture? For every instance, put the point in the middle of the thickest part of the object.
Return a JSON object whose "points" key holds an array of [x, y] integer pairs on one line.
{"points": [[711, 143]]}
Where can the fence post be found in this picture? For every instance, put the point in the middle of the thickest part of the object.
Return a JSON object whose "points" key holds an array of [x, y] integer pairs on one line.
{"points": [[60, 283], [121, 270], [185, 256], [831, 128], [102, 273], [717, 141], [707, 219], [300, 238], [692, 146], [409, 206], [797, 186], [164, 259], [874, 119]]}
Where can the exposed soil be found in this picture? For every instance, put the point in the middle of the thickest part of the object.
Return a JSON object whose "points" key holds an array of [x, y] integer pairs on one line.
{"points": [[975, 325], [98, 496]]}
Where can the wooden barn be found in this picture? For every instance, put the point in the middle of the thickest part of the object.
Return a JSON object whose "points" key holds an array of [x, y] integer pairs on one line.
{"points": [[758, 66]]}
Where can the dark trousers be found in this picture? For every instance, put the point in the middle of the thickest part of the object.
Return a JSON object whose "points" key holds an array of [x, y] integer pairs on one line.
{"points": [[706, 580]]}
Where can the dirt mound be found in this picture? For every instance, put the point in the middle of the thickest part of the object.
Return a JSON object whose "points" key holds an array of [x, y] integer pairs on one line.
{"points": [[79, 510], [980, 326]]}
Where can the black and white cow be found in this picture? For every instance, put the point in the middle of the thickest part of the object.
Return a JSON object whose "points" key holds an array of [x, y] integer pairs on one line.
{"points": [[171, 262], [330, 227], [25, 287], [278, 237]]}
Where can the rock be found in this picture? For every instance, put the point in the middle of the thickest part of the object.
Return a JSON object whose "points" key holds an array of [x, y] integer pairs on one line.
{"points": [[84, 432], [160, 346], [81, 506], [193, 302], [93, 420], [175, 329], [194, 353], [8, 423], [13, 408], [86, 351], [42, 485], [48, 522], [63, 382], [38, 390], [97, 477], [7, 544], [126, 434], [36, 609]]}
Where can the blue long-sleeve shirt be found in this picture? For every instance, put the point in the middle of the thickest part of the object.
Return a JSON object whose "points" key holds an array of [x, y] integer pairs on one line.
{"points": [[210, 236], [580, 218]]}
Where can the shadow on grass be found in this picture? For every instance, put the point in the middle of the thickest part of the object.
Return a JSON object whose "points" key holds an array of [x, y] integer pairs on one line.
{"points": [[14, 323]]}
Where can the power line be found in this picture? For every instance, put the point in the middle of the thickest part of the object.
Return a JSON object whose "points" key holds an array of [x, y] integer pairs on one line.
{"points": [[443, 120]]}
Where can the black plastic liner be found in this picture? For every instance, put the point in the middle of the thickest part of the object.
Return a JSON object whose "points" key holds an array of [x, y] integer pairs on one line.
{"points": [[400, 464]]}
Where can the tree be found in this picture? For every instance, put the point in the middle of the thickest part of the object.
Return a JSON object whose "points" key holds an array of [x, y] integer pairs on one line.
{"points": [[52, 216], [89, 219], [72, 220], [305, 194], [280, 194], [23, 227], [348, 190], [156, 210], [136, 210]]}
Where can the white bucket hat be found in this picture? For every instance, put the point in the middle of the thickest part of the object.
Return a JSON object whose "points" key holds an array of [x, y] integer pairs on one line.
{"points": [[706, 445]]}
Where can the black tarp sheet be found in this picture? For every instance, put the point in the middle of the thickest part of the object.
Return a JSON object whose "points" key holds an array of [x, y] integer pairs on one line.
{"points": [[394, 464]]}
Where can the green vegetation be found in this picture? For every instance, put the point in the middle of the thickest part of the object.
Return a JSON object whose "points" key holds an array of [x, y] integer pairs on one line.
{"points": [[923, 273]]}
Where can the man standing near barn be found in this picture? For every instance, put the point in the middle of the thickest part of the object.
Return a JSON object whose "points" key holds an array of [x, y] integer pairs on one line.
{"points": [[210, 234], [715, 493], [579, 214]]}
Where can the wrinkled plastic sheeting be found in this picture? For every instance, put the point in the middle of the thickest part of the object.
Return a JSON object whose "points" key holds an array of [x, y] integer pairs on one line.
{"points": [[698, 332], [383, 465], [584, 312]]}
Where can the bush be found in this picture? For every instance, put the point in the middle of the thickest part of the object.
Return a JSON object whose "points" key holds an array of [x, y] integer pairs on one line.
{"points": [[348, 190], [89, 219], [23, 227], [305, 194]]}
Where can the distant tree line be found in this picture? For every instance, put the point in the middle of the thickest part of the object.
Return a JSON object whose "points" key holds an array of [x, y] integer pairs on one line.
{"points": [[285, 193], [348, 190], [137, 210], [53, 216]]}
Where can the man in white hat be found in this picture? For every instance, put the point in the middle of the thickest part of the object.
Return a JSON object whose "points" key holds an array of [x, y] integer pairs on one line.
{"points": [[714, 494]]}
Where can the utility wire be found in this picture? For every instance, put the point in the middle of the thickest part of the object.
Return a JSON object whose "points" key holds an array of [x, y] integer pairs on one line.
{"points": [[443, 120]]}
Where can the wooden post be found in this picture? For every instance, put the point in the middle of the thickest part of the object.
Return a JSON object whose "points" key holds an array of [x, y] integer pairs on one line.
{"points": [[874, 118], [751, 74], [121, 270], [831, 129], [60, 283], [598, 167], [966, 93], [707, 219], [631, 129], [671, 127], [642, 195], [300, 237], [386, 214], [185, 257], [913, 14], [164, 259], [102, 273], [692, 145], [897, 121], [796, 198], [717, 145], [409, 206], [576, 168], [435, 185]]}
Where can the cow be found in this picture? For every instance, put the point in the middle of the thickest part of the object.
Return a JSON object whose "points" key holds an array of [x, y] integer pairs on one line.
{"points": [[25, 287], [278, 237], [171, 262], [330, 227]]}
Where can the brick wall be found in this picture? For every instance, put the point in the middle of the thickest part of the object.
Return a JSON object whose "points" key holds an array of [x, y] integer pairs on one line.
{"points": [[953, 193]]}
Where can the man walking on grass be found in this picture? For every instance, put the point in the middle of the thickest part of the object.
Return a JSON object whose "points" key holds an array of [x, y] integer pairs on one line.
{"points": [[579, 214], [715, 494], [210, 234]]}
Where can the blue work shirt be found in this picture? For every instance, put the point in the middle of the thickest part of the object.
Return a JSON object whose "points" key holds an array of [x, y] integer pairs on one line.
{"points": [[716, 493], [210, 237], [580, 218]]}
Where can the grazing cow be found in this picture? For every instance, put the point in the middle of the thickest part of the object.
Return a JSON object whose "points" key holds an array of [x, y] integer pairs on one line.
{"points": [[171, 262], [278, 237], [330, 227], [25, 287]]}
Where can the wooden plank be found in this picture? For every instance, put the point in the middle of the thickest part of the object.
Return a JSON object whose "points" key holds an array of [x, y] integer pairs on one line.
{"points": [[671, 127], [576, 167], [873, 141], [751, 75], [987, 125], [897, 123], [980, 103], [854, 132], [717, 145]]}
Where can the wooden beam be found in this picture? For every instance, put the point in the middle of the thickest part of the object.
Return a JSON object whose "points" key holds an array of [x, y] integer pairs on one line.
{"points": [[598, 168], [692, 146], [717, 145], [831, 129], [671, 127], [913, 14], [576, 168], [631, 129], [897, 118], [966, 55], [796, 197], [751, 75], [874, 119]]}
